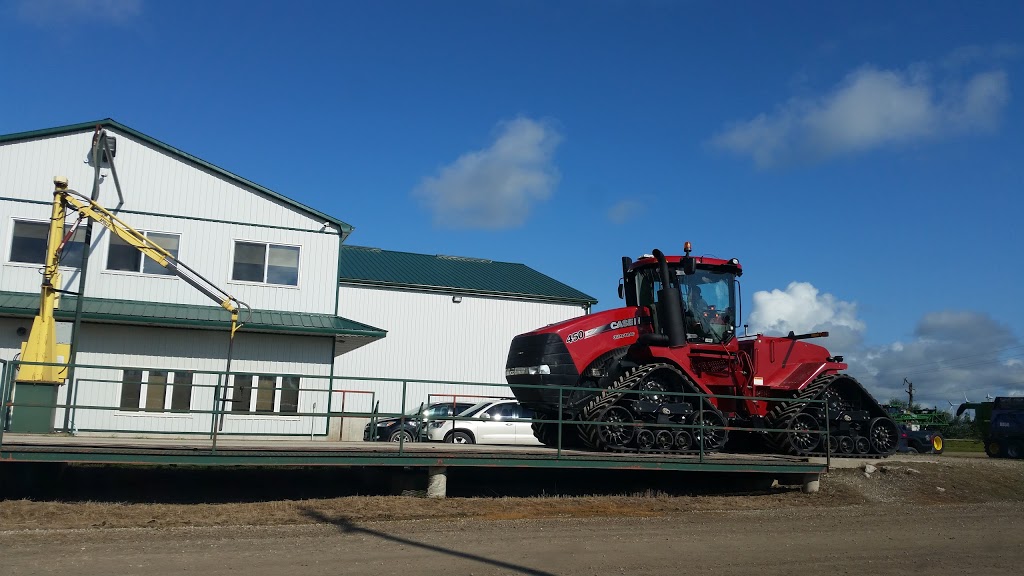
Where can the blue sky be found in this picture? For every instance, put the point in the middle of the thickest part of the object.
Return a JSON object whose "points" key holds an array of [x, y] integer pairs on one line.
{"points": [[862, 160]]}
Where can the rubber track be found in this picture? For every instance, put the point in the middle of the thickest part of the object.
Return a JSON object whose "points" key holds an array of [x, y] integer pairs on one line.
{"points": [[782, 417], [607, 398]]}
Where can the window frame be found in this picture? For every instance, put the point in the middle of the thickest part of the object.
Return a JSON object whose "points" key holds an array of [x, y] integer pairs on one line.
{"points": [[170, 385], [278, 401], [266, 263], [45, 223], [142, 257]]}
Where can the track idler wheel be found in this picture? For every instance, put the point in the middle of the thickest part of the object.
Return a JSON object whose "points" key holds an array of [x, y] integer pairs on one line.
{"points": [[833, 444], [616, 428], [804, 436], [845, 445], [683, 440], [663, 440], [712, 435], [884, 435], [645, 439], [861, 445]]}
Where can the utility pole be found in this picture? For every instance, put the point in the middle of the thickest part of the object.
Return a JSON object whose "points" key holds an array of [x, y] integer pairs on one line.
{"points": [[910, 393]]}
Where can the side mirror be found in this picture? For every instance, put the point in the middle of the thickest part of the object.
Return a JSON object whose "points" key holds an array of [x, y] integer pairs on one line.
{"points": [[485, 416], [621, 291]]}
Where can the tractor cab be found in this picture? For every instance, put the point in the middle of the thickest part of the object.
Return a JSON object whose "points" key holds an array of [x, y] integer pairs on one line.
{"points": [[695, 296]]}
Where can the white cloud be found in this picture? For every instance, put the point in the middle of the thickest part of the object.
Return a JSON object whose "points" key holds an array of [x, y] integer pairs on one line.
{"points": [[625, 211], [870, 108], [802, 308], [496, 187], [951, 353], [63, 12]]}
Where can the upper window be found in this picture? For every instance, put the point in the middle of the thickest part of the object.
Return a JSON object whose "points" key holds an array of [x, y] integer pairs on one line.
{"points": [[267, 263], [29, 244], [124, 256]]}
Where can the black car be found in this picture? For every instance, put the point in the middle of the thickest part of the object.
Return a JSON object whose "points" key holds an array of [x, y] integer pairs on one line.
{"points": [[391, 429]]}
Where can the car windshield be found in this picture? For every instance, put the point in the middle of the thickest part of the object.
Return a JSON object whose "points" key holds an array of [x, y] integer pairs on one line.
{"points": [[474, 408]]}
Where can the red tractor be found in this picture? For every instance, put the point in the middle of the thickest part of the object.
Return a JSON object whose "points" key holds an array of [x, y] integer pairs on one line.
{"points": [[628, 378]]}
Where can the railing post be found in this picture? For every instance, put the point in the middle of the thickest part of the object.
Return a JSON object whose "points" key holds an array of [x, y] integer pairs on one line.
{"points": [[214, 413], [700, 417], [401, 423], [561, 390], [828, 438], [3, 397]]}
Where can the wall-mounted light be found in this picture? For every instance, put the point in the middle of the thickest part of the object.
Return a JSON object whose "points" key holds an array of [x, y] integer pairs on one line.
{"points": [[21, 331], [457, 299]]}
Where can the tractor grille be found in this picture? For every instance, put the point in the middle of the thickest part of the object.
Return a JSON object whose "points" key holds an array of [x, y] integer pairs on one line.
{"points": [[540, 350]]}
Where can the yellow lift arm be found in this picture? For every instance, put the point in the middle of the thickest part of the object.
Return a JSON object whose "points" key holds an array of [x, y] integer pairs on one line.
{"points": [[41, 346]]}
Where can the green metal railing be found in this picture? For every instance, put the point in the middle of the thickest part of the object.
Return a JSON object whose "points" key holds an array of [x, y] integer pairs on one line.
{"points": [[321, 386]]}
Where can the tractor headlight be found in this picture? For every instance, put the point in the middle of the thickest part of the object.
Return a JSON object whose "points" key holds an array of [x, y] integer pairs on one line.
{"points": [[531, 370]]}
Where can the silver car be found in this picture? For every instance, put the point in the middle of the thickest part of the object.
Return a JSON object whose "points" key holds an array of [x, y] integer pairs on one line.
{"points": [[489, 422]]}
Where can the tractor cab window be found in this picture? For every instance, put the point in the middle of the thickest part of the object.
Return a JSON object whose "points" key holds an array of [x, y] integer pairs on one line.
{"points": [[708, 306], [708, 303]]}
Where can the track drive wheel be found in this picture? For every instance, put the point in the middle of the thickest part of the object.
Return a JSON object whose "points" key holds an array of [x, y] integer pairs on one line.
{"points": [[884, 435]]}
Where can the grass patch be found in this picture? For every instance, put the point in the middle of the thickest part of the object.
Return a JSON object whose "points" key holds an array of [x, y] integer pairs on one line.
{"points": [[954, 445]]}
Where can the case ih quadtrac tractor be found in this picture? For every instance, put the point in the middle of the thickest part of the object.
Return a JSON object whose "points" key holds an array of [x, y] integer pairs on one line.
{"points": [[677, 336]]}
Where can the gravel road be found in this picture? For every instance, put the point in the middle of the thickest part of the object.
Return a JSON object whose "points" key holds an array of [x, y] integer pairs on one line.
{"points": [[863, 540]]}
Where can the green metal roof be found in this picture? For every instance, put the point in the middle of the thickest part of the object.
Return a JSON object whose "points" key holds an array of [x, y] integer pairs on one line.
{"points": [[189, 316], [376, 267], [345, 229]]}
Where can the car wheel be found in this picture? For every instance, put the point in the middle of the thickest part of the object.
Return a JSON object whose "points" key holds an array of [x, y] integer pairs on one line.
{"points": [[1013, 450], [911, 450], [459, 438], [401, 436]]}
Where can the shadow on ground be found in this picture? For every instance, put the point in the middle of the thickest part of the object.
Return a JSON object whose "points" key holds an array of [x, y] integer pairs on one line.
{"points": [[347, 526]]}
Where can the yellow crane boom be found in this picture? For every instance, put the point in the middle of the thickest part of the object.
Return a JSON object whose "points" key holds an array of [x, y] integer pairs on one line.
{"points": [[41, 353]]}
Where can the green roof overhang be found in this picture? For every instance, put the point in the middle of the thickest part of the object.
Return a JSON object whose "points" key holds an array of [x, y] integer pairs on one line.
{"points": [[131, 312]]}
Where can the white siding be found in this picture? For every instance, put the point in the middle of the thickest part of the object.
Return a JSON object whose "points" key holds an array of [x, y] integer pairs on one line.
{"points": [[120, 347], [432, 338], [158, 183]]}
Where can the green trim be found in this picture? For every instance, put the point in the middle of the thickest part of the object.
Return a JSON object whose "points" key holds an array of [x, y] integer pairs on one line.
{"points": [[190, 316], [338, 455], [343, 227]]}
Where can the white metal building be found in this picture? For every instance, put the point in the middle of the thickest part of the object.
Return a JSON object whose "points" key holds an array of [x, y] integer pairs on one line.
{"points": [[448, 319], [153, 333]]}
